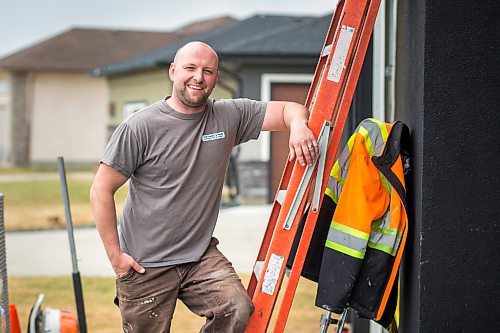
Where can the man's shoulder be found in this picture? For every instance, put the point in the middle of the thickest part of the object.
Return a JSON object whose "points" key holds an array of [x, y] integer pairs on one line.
{"points": [[145, 114], [236, 103]]}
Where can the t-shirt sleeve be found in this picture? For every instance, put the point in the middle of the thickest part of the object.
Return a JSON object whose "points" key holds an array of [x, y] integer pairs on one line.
{"points": [[250, 118], [122, 152]]}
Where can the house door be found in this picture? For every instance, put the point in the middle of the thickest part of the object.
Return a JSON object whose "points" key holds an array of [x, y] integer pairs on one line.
{"points": [[294, 92]]}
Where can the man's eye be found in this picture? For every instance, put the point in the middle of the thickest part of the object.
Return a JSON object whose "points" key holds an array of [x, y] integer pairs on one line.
{"points": [[190, 68], [208, 71]]}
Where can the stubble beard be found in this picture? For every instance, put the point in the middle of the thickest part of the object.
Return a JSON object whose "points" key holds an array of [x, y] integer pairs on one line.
{"points": [[190, 102]]}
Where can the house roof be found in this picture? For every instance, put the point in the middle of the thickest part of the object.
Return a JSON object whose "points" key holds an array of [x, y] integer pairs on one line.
{"points": [[259, 35], [82, 49], [303, 38]]}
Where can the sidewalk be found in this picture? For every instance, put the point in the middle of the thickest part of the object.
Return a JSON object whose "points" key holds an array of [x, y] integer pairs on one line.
{"points": [[46, 253]]}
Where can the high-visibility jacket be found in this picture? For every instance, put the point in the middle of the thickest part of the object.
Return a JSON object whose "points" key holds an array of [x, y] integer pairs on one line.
{"points": [[366, 210]]}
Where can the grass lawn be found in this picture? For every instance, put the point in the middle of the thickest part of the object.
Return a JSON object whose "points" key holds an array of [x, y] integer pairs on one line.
{"points": [[38, 204], [102, 315]]}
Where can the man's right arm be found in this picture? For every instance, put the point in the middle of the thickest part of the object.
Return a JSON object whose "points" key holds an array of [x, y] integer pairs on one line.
{"points": [[106, 182]]}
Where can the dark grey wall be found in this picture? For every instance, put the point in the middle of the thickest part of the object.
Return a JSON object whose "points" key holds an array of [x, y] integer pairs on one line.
{"points": [[448, 80]]}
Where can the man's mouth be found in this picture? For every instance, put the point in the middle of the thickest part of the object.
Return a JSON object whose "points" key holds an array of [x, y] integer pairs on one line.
{"points": [[194, 87]]}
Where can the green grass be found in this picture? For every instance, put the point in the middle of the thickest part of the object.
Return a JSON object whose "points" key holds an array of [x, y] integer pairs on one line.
{"points": [[39, 205], [46, 192]]}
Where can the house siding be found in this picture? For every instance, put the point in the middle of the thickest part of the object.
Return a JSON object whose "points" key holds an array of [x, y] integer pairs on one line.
{"points": [[146, 87]]}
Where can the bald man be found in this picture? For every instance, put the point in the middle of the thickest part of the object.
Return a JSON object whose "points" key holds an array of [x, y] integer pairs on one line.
{"points": [[175, 153]]}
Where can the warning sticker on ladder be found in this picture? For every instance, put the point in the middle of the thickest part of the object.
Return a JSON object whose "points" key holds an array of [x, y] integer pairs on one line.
{"points": [[340, 54], [272, 274]]}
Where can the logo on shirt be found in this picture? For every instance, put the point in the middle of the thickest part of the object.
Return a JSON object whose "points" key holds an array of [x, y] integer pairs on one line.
{"points": [[213, 136]]}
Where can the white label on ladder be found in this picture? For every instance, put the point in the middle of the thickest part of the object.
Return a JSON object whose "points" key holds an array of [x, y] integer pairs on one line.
{"points": [[340, 54], [272, 274]]}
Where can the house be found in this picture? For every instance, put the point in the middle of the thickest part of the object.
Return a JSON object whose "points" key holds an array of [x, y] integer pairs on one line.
{"points": [[50, 106], [262, 57]]}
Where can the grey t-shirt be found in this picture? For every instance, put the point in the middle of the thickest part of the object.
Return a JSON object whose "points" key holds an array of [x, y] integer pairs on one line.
{"points": [[176, 164]]}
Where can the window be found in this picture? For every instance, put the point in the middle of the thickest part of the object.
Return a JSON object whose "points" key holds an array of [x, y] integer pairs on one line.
{"points": [[130, 107], [3, 86]]}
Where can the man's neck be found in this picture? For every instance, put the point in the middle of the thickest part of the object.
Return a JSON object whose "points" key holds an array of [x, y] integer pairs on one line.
{"points": [[182, 108]]}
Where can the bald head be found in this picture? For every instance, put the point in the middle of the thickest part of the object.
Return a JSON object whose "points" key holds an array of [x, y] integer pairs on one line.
{"points": [[196, 47], [194, 74]]}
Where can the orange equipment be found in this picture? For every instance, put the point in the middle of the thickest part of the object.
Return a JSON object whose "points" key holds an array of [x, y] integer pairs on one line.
{"points": [[52, 320], [329, 100], [15, 327]]}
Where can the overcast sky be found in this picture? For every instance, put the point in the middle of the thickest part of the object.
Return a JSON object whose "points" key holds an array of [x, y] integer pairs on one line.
{"points": [[27, 22]]}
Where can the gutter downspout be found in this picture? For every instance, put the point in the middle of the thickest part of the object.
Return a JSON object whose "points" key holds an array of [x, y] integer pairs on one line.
{"points": [[234, 93]]}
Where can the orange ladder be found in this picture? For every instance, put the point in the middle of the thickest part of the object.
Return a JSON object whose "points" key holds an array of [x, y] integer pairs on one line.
{"points": [[328, 101]]}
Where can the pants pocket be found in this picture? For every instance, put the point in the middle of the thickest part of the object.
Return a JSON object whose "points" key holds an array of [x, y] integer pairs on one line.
{"points": [[125, 276]]}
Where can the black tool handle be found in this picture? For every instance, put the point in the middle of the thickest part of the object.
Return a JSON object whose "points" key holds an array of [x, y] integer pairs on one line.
{"points": [[80, 308]]}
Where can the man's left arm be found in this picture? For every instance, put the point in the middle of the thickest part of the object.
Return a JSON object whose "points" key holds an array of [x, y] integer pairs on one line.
{"points": [[293, 116]]}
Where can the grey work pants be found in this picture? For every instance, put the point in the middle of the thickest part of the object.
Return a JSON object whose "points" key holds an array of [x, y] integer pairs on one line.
{"points": [[210, 288]]}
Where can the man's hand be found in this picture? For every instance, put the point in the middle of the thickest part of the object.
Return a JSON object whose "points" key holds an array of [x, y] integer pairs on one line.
{"points": [[123, 263], [293, 116], [302, 144]]}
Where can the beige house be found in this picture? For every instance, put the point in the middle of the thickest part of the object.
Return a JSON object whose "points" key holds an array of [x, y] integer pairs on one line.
{"points": [[50, 106]]}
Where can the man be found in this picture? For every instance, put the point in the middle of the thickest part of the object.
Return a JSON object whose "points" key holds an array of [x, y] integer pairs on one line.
{"points": [[175, 153]]}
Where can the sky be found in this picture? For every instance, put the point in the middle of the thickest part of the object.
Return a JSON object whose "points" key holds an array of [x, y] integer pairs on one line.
{"points": [[24, 23]]}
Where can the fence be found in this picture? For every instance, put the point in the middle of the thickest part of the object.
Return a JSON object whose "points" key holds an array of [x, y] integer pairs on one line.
{"points": [[4, 295]]}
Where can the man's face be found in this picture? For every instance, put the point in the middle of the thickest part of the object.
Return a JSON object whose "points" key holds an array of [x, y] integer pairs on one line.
{"points": [[194, 75]]}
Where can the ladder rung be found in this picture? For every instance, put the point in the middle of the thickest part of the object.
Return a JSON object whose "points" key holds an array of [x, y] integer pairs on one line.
{"points": [[326, 50]]}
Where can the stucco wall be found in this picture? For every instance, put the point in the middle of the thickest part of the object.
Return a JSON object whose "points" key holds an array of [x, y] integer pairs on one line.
{"points": [[69, 118], [448, 95]]}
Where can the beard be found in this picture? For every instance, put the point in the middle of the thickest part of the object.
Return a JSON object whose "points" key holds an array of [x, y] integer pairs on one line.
{"points": [[189, 101]]}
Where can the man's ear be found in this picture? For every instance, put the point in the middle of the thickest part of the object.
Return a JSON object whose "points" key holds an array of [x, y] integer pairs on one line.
{"points": [[171, 71]]}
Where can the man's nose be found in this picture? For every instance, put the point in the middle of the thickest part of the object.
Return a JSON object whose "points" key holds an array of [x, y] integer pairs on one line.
{"points": [[198, 75]]}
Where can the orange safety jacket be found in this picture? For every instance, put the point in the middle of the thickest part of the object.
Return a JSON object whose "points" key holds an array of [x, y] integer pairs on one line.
{"points": [[365, 205]]}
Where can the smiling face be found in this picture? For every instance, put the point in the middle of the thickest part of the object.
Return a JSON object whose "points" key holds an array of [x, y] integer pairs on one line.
{"points": [[194, 74]]}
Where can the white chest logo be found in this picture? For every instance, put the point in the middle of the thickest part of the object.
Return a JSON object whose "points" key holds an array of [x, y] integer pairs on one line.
{"points": [[213, 136]]}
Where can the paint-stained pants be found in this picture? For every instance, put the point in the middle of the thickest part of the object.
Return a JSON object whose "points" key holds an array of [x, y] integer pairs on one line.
{"points": [[210, 288]]}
